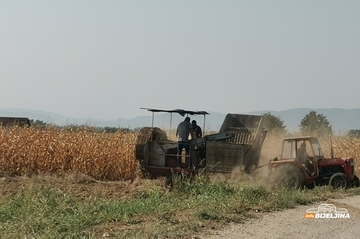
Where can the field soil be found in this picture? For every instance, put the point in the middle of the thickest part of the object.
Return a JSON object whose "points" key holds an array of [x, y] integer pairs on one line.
{"points": [[81, 185], [292, 224]]}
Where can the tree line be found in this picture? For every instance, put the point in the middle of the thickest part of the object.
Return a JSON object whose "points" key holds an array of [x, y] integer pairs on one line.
{"points": [[312, 124], [41, 124]]}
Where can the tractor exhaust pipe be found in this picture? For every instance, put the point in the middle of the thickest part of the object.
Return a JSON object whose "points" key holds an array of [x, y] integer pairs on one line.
{"points": [[331, 146]]}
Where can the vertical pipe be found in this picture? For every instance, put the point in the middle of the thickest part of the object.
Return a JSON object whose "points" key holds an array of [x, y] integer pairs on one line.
{"points": [[152, 120], [152, 126], [204, 126], [170, 124]]}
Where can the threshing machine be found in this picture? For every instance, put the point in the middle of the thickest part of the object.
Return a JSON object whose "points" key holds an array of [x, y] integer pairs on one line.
{"points": [[238, 144]]}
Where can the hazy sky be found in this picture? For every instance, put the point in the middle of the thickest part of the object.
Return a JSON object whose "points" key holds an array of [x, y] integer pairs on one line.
{"points": [[106, 59]]}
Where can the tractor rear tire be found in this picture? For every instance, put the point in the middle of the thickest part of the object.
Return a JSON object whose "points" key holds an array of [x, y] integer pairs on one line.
{"points": [[356, 182], [294, 180], [339, 180], [287, 176], [310, 186]]}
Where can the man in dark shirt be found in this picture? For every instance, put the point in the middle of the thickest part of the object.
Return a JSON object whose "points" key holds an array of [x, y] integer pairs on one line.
{"points": [[197, 129], [183, 131]]}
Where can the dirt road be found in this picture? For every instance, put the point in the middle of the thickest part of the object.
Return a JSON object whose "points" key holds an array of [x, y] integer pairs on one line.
{"points": [[292, 224]]}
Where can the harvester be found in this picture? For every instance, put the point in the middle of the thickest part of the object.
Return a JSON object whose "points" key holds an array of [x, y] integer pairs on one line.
{"points": [[237, 144]]}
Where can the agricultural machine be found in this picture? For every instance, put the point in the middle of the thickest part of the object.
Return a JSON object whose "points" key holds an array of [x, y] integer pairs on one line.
{"points": [[238, 144], [292, 169]]}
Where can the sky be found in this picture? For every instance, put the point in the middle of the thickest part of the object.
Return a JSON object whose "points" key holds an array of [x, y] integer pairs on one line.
{"points": [[107, 59]]}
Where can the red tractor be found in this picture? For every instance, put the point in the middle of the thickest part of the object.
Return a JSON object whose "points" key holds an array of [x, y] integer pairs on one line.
{"points": [[302, 163]]}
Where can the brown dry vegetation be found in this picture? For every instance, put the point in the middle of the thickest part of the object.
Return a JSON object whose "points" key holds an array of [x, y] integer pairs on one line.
{"points": [[31, 151], [128, 206], [346, 147], [105, 156]]}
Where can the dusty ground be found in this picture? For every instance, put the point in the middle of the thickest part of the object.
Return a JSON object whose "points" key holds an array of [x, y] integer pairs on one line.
{"points": [[292, 224]]}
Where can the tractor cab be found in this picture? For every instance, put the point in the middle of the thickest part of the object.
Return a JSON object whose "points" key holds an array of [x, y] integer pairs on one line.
{"points": [[292, 147], [304, 150]]}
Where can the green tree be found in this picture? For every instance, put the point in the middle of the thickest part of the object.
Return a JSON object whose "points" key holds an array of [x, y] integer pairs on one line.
{"points": [[37, 123], [355, 133], [273, 123], [315, 124]]}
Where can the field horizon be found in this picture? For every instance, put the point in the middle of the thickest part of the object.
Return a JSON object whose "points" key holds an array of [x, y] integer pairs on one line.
{"points": [[342, 120]]}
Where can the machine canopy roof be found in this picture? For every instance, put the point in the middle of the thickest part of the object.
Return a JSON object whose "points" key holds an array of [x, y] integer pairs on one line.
{"points": [[179, 111]]}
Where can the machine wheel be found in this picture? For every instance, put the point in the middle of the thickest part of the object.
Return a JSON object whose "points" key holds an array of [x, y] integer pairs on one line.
{"points": [[356, 182], [143, 138], [339, 180], [169, 182]]}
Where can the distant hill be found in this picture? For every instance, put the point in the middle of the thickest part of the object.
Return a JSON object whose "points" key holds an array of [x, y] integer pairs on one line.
{"points": [[342, 120]]}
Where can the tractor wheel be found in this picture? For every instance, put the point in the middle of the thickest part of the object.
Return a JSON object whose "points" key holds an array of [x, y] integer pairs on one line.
{"points": [[287, 176], [293, 179], [339, 180], [310, 186], [356, 182]]}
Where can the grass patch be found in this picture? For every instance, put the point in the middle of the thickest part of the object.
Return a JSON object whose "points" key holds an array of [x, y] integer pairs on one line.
{"points": [[42, 210]]}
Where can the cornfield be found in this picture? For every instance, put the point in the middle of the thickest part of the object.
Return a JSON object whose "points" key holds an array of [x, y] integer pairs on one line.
{"points": [[344, 146], [103, 156]]}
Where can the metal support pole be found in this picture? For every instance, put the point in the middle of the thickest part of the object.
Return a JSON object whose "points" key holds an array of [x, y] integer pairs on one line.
{"points": [[152, 125], [170, 123], [204, 126], [152, 120]]}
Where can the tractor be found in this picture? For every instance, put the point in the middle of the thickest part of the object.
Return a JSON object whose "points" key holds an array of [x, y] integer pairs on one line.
{"points": [[302, 163], [237, 144]]}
